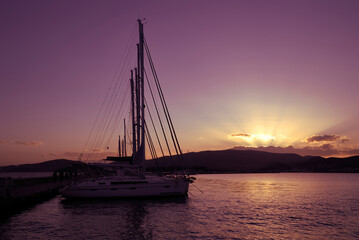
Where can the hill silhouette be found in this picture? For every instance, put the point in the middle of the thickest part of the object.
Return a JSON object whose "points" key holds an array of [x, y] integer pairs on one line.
{"points": [[256, 161], [224, 161], [48, 166], [228, 160], [320, 164]]}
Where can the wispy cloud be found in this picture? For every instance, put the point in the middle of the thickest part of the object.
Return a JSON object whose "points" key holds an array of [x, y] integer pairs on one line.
{"points": [[323, 138], [67, 155], [97, 150], [27, 143], [240, 135], [327, 138]]}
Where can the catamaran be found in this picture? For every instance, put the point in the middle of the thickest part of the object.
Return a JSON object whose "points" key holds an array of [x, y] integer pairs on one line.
{"points": [[130, 179]]}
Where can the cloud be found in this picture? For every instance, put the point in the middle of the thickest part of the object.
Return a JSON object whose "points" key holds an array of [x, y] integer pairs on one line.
{"points": [[240, 135], [71, 155], [50, 155], [98, 150], [353, 151], [28, 143], [327, 147], [323, 138], [6, 142]]}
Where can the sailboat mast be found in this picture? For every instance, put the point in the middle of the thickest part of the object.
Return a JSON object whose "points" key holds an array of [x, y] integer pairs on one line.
{"points": [[141, 74], [137, 87], [133, 116], [119, 146], [124, 138], [138, 103]]}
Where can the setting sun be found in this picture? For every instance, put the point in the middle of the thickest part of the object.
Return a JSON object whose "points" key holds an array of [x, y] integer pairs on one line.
{"points": [[253, 139], [263, 137]]}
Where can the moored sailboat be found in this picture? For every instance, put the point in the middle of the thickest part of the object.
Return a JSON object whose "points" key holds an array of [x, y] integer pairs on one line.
{"points": [[130, 179]]}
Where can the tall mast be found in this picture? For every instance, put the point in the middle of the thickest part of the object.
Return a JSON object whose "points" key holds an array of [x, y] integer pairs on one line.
{"points": [[124, 138], [119, 145], [141, 75], [133, 117], [137, 86], [138, 103]]}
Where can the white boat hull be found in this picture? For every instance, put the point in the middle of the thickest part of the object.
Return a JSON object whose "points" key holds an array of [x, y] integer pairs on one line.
{"points": [[125, 189]]}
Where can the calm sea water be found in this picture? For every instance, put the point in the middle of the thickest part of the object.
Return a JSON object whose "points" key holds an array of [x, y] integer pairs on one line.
{"points": [[233, 206], [26, 174]]}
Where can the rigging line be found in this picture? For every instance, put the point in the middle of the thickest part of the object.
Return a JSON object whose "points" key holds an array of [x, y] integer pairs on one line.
{"points": [[151, 146], [150, 138], [164, 105], [105, 117], [159, 90], [174, 132], [116, 126], [158, 115], [149, 143], [101, 126], [128, 133], [93, 127], [109, 113], [154, 128], [108, 91], [151, 151], [130, 46], [115, 99], [129, 139], [114, 132], [108, 121], [113, 96], [125, 59], [112, 123], [161, 124], [197, 188], [103, 121], [121, 72], [117, 114], [191, 194]]}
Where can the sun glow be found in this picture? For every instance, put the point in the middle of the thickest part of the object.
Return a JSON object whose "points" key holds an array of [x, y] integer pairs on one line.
{"points": [[263, 137], [251, 138], [259, 139]]}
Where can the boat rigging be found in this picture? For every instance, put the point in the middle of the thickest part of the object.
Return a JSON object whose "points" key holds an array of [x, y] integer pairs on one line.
{"points": [[130, 170]]}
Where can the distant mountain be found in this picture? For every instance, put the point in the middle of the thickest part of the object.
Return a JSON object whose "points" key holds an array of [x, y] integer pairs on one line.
{"points": [[230, 160], [225, 161], [257, 161], [48, 166], [320, 164]]}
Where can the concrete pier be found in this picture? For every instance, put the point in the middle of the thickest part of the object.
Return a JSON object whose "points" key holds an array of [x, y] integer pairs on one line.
{"points": [[18, 190], [16, 193]]}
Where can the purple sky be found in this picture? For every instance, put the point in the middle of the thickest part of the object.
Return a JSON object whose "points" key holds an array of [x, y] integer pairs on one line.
{"points": [[235, 73]]}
